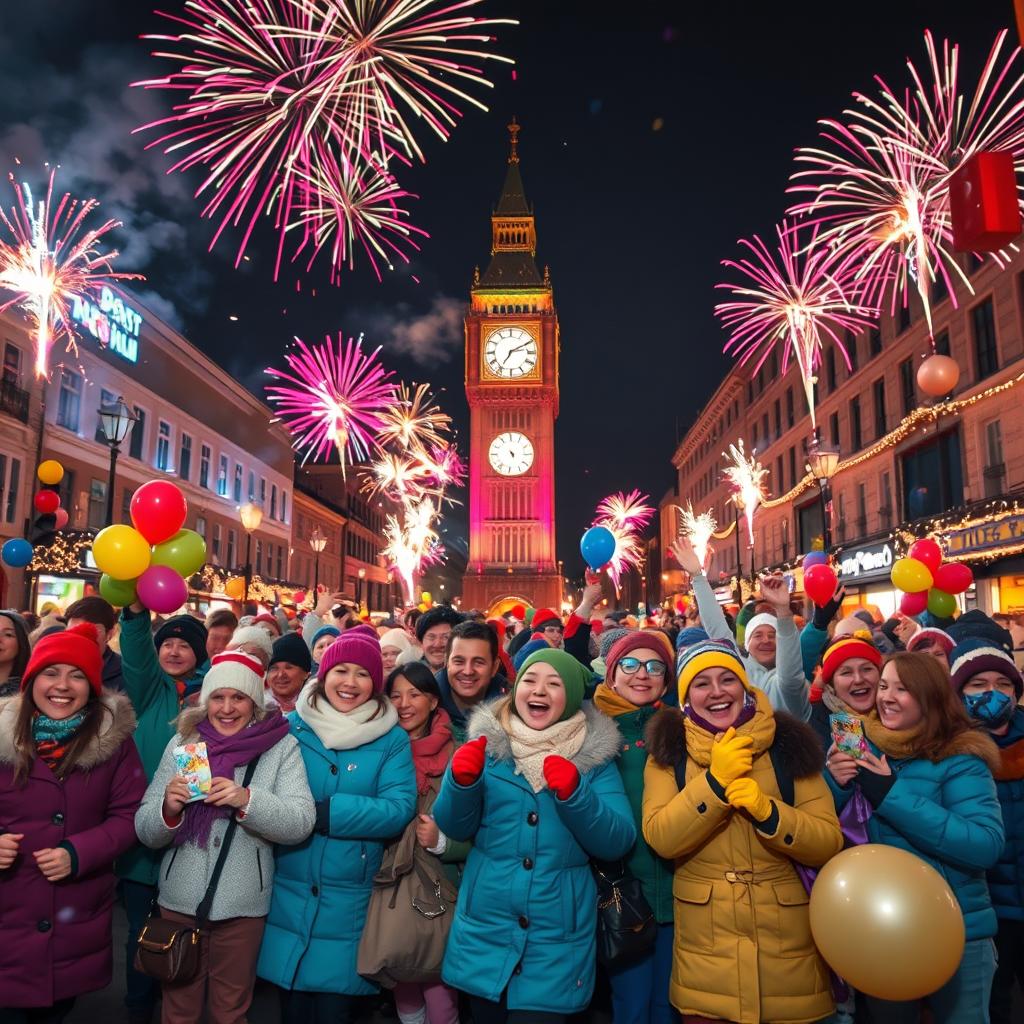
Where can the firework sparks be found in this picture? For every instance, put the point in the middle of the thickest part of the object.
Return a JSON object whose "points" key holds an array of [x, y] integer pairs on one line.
{"points": [[746, 476], [333, 399], [51, 258], [698, 527], [412, 542], [794, 300], [414, 419], [625, 515]]}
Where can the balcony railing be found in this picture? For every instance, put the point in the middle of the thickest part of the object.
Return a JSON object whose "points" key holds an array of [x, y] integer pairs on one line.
{"points": [[14, 401]]}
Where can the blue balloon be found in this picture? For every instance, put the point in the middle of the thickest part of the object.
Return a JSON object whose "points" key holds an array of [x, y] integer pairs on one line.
{"points": [[815, 558], [16, 553], [597, 546]]}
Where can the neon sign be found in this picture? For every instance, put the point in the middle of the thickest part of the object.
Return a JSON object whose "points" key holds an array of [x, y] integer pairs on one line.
{"points": [[113, 323]]}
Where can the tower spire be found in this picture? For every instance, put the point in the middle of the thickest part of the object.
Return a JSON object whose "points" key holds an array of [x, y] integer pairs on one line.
{"points": [[513, 136]]}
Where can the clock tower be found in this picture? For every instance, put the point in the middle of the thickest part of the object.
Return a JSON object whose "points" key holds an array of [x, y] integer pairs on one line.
{"points": [[512, 390]]}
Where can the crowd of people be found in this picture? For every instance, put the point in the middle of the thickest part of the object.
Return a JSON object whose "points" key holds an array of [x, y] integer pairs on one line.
{"points": [[422, 806]]}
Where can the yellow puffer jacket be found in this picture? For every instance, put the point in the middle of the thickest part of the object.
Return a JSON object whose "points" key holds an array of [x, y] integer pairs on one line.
{"points": [[743, 947]]}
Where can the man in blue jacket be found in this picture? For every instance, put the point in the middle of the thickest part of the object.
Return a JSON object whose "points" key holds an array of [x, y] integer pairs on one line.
{"points": [[471, 673]]}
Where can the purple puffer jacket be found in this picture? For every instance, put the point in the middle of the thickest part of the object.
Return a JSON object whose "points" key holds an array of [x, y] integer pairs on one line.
{"points": [[55, 938]]}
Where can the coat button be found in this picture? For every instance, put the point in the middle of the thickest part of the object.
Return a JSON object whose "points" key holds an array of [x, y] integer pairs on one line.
{"points": [[531, 818], [787, 839], [57, 819], [702, 808], [44, 925], [527, 863], [315, 890], [334, 769], [524, 922]]}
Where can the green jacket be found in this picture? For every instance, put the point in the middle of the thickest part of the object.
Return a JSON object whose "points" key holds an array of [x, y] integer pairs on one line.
{"points": [[154, 696], [654, 872]]}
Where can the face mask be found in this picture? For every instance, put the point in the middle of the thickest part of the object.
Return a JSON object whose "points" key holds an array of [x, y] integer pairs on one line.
{"points": [[992, 708]]}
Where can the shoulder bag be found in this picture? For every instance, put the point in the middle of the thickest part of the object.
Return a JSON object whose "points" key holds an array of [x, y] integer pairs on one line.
{"points": [[626, 929]]}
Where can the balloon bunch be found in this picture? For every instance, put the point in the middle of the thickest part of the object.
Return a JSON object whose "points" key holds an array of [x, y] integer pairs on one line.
{"points": [[927, 581], [18, 552], [150, 560], [820, 579]]}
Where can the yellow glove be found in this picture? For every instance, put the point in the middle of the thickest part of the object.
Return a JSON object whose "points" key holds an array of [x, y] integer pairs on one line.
{"points": [[732, 756], [747, 795]]}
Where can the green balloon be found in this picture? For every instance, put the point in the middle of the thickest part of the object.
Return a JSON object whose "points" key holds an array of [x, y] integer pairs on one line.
{"points": [[940, 603], [120, 593], [185, 553]]}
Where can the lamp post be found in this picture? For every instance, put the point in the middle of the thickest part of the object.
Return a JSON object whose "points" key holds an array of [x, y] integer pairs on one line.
{"points": [[115, 422], [823, 461], [317, 541], [737, 504], [359, 589], [251, 515]]}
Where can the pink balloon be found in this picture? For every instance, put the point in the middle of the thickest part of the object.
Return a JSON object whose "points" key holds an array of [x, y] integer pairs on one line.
{"points": [[954, 577], [61, 515], [820, 583], [161, 589], [927, 552], [914, 604]]}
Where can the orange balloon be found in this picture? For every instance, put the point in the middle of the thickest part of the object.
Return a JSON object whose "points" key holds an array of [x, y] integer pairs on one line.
{"points": [[938, 375], [235, 588]]}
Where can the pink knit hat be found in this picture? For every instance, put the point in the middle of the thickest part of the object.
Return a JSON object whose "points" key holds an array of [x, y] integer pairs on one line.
{"points": [[358, 646]]}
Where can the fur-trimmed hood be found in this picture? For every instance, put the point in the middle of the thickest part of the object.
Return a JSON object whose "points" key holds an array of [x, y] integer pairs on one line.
{"points": [[794, 740], [601, 745], [118, 726], [974, 743]]}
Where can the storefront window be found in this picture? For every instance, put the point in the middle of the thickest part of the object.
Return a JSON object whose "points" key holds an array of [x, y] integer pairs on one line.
{"points": [[933, 477], [70, 400], [810, 523], [97, 504]]}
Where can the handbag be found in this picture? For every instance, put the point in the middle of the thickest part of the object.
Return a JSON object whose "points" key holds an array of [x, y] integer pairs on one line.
{"points": [[408, 917], [626, 929], [169, 950]]}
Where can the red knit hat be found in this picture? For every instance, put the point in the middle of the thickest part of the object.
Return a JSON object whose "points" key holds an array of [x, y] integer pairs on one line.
{"points": [[652, 639], [545, 617], [845, 648], [78, 646]]}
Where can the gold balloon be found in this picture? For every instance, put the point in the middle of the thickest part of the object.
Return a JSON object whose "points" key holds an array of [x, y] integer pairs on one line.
{"points": [[887, 922], [938, 375], [235, 588]]}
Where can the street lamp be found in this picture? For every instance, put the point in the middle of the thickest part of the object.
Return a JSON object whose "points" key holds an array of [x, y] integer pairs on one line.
{"points": [[115, 422], [317, 541], [823, 461], [738, 507], [251, 515], [359, 588]]}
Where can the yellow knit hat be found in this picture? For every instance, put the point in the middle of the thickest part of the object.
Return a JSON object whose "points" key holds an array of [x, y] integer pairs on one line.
{"points": [[705, 655]]}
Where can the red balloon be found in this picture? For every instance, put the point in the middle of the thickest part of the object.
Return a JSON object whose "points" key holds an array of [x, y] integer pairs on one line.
{"points": [[62, 518], [914, 604], [927, 552], [820, 583], [518, 612], [46, 502], [299, 596], [954, 577], [158, 510]]}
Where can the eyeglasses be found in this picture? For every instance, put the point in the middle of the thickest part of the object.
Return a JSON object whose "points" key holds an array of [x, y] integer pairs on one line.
{"points": [[632, 665], [553, 629]]}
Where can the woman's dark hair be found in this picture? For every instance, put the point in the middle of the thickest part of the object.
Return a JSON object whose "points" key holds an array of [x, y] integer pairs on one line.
{"points": [[418, 674], [24, 650]]}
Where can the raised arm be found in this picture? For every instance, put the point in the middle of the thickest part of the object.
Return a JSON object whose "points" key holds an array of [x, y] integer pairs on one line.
{"points": [[144, 680]]}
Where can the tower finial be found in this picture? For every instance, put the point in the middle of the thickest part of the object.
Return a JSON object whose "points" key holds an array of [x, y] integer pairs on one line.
{"points": [[513, 134]]}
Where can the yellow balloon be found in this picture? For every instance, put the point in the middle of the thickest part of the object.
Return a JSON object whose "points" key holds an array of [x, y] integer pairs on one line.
{"points": [[235, 588], [50, 472], [121, 552], [910, 575], [887, 922]]}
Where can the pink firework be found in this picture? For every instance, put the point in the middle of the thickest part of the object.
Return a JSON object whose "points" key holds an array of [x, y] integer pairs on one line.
{"points": [[796, 298], [879, 188], [333, 399], [625, 515], [50, 259]]}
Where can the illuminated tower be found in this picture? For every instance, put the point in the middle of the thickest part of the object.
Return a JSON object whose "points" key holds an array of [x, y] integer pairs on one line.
{"points": [[512, 390]]}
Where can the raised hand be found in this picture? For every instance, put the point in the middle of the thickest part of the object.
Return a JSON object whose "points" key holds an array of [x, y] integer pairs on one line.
{"points": [[468, 761], [732, 756]]}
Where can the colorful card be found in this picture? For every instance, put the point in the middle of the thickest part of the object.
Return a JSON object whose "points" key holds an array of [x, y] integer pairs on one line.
{"points": [[193, 765], [848, 734]]}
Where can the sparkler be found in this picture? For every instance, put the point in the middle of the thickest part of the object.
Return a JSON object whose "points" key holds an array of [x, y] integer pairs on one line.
{"points": [[698, 528], [625, 515], [334, 398], [746, 476], [50, 258], [794, 300], [412, 542]]}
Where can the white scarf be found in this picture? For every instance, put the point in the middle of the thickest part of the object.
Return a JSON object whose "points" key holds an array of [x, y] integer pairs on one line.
{"points": [[531, 746], [344, 730]]}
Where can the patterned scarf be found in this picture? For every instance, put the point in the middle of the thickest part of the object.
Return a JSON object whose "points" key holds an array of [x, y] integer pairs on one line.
{"points": [[430, 753], [52, 736], [531, 746]]}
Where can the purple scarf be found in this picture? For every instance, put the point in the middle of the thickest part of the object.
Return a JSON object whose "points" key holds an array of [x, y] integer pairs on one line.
{"points": [[226, 754], [745, 715]]}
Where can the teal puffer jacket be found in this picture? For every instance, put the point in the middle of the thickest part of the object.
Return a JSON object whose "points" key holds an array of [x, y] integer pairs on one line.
{"points": [[1006, 879]]}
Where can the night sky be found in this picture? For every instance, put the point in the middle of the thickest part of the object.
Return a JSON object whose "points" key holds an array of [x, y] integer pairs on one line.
{"points": [[654, 135]]}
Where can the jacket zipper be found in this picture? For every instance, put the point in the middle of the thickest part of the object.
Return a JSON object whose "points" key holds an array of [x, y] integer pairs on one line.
{"points": [[259, 868], [170, 865]]}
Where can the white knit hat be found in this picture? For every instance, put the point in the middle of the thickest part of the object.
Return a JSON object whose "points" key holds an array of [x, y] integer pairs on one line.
{"points": [[764, 619], [254, 636], [234, 670], [396, 638]]}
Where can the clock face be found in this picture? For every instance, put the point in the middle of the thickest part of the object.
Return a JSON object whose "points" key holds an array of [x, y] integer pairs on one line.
{"points": [[511, 453], [510, 352]]}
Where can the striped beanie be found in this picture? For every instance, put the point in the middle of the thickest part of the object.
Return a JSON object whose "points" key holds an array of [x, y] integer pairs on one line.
{"points": [[709, 654], [842, 650], [976, 654]]}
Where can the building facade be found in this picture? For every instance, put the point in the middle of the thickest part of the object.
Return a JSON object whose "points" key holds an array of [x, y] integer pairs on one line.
{"points": [[512, 349], [910, 465]]}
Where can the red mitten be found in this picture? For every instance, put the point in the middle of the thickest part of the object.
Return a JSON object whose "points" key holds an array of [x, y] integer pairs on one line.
{"points": [[468, 761], [561, 776]]}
